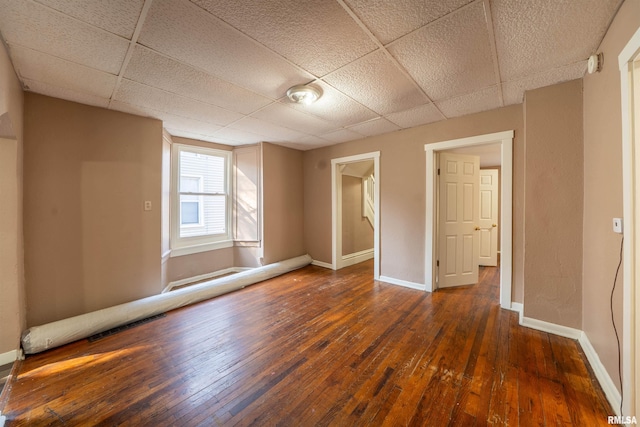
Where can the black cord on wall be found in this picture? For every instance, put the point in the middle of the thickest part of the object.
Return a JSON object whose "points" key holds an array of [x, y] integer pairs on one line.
{"points": [[614, 325]]}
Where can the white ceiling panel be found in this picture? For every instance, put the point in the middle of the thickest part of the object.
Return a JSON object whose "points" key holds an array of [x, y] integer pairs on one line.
{"points": [[375, 81], [285, 116], [183, 31], [152, 69], [336, 107], [67, 94], [374, 127], [482, 100], [218, 70], [145, 96], [116, 16], [168, 119], [390, 20], [35, 26], [238, 136], [513, 91], [34, 65], [535, 36], [450, 57], [421, 115], [270, 131], [342, 135], [308, 33]]}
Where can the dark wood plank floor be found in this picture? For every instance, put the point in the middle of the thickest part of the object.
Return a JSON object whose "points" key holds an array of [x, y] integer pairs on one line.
{"points": [[317, 347]]}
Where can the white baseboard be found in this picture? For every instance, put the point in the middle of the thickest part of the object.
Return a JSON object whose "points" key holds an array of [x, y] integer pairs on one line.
{"points": [[552, 328], [322, 264], [357, 257], [201, 277], [405, 283], [518, 308], [603, 377], [10, 356], [607, 384]]}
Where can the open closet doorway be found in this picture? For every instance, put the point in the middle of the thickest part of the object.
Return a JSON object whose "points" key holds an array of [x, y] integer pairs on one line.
{"points": [[355, 200], [505, 142]]}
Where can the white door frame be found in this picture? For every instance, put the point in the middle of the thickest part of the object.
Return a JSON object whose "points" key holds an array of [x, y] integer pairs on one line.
{"points": [[336, 214], [506, 184], [631, 231]]}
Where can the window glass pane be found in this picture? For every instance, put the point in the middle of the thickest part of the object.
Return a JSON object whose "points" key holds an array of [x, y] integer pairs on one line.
{"points": [[212, 219], [210, 168], [190, 184], [189, 213]]}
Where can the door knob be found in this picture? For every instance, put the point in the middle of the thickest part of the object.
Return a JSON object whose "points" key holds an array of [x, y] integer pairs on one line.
{"points": [[477, 228], [494, 225]]}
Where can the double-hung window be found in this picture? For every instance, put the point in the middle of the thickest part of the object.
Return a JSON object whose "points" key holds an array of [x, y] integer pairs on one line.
{"points": [[201, 199]]}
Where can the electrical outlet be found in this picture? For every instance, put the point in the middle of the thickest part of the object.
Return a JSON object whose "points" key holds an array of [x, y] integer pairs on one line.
{"points": [[147, 205], [617, 225]]}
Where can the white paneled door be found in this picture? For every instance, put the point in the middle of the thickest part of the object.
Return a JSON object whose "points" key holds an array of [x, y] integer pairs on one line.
{"points": [[488, 222], [458, 240]]}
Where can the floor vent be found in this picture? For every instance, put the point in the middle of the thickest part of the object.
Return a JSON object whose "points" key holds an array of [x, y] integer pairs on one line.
{"points": [[113, 331]]}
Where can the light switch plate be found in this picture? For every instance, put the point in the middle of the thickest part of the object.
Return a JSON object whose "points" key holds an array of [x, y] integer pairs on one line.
{"points": [[617, 225]]}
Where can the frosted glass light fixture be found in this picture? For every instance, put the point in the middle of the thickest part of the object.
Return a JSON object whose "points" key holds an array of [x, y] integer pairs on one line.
{"points": [[304, 94]]}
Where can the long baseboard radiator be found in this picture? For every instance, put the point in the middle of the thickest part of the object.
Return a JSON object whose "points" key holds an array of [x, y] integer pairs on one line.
{"points": [[55, 334]]}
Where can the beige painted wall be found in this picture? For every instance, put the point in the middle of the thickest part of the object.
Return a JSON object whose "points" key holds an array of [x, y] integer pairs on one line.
{"points": [[603, 190], [12, 293], [88, 242], [282, 195], [554, 204], [402, 190], [357, 232]]}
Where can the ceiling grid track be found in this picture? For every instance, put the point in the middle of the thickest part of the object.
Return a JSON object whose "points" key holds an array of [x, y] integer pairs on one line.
{"points": [[494, 50], [388, 54], [132, 46]]}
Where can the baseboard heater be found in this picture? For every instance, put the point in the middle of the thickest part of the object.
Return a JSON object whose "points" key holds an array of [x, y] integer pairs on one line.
{"points": [[55, 334]]}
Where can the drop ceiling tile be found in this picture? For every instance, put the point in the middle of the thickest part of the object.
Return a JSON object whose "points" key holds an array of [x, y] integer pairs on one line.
{"points": [[513, 91], [319, 36], [482, 100], [185, 32], [271, 132], [37, 66], [145, 96], [285, 116], [153, 69], [168, 120], [342, 135], [531, 38], [374, 127], [336, 107], [238, 136], [376, 82], [32, 25], [67, 94], [392, 19], [116, 16], [417, 116], [311, 142], [450, 57]]}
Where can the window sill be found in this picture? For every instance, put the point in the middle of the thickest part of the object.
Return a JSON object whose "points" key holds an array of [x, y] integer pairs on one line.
{"points": [[188, 250]]}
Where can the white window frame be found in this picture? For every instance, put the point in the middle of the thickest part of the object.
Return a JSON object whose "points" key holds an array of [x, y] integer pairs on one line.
{"points": [[191, 245]]}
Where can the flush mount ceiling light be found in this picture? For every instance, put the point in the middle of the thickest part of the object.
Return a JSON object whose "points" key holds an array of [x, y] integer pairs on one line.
{"points": [[304, 94]]}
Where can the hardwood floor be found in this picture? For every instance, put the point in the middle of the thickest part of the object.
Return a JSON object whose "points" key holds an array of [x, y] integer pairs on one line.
{"points": [[317, 347]]}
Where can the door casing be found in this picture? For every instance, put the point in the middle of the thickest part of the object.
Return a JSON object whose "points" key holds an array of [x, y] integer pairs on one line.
{"points": [[336, 233], [506, 187]]}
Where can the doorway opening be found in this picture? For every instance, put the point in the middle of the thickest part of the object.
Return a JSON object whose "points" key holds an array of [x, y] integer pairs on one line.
{"points": [[505, 141], [359, 173]]}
